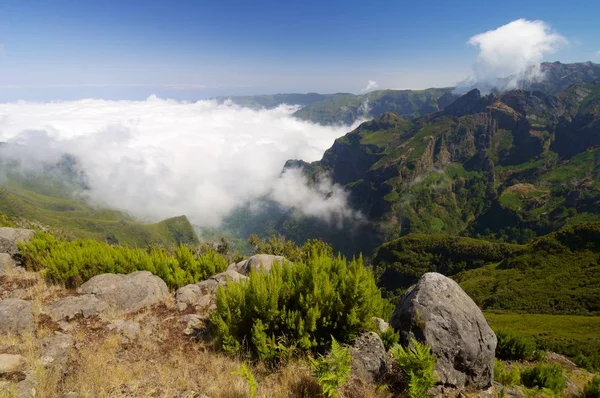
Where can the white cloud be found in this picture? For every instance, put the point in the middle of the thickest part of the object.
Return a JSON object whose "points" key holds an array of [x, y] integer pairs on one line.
{"points": [[513, 50], [160, 158], [293, 190], [371, 85], [598, 53]]}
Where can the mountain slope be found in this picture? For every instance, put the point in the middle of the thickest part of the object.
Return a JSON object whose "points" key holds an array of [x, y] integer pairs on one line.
{"points": [[557, 273], [53, 194], [505, 166]]}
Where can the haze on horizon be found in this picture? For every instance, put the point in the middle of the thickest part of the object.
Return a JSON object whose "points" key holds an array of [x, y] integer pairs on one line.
{"points": [[189, 50]]}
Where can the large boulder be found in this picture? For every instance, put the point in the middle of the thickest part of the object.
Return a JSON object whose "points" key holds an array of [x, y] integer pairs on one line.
{"points": [[10, 237], [127, 293], [438, 312], [368, 357], [72, 307], [257, 262], [6, 263], [56, 351], [10, 363], [16, 317], [201, 296]]}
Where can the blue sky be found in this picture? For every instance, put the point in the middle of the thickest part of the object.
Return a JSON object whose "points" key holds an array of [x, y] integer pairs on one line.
{"points": [[194, 49]]}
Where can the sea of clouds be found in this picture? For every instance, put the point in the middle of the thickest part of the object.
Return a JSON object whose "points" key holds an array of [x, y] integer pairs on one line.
{"points": [[160, 158]]}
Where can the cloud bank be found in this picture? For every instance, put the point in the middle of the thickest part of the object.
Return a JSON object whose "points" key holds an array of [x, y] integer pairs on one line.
{"points": [[160, 158], [512, 54]]}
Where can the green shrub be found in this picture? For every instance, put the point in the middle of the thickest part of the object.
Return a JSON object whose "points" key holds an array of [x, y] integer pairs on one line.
{"points": [[300, 305], [245, 372], [417, 366], [389, 338], [332, 371], [592, 388], [74, 262], [549, 376], [512, 346], [505, 375]]}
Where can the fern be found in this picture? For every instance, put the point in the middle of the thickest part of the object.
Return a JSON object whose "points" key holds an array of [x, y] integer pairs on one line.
{"points": [[332, 371], [417, 365], [245, 372]]}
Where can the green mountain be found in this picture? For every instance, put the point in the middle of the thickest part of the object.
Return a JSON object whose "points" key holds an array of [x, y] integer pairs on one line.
{"points": [[556, 273], [503, 166], [346, 108], [53, 197]]}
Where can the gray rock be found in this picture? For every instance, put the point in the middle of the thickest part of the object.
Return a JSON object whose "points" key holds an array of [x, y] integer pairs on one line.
{"points": [[127, 293], [56, 350], [16, 316], [201, 296], [10, 363], [129, 329], [10, 237], [381, 325], [368, 357], [72, 307], [438, 312], [28, 388], [6, 263], [256, 262]]}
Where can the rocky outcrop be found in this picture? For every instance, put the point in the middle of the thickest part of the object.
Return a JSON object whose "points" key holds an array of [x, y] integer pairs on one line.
{"points": [[256, 262], [201, 296], [72, 307], [16, 317], [368, 357], [127, 293], [438, 312], [10, 237]]}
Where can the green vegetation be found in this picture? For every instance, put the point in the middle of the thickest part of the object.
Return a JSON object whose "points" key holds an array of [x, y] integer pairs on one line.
{"points": [[558, 273], [514, 346], [544, 376], [298, 306], [571, 335], [592, 388], [74, 262], [332, 371], [417, 365], [403, 261], [505, 375]]}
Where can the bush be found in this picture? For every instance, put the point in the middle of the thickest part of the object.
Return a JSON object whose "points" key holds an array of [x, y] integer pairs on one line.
{"points": [[512, 346], [505, 375], [549, 376], [417, 366], [301, 305], [74, 262], [332, 371], [592, 388]]}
